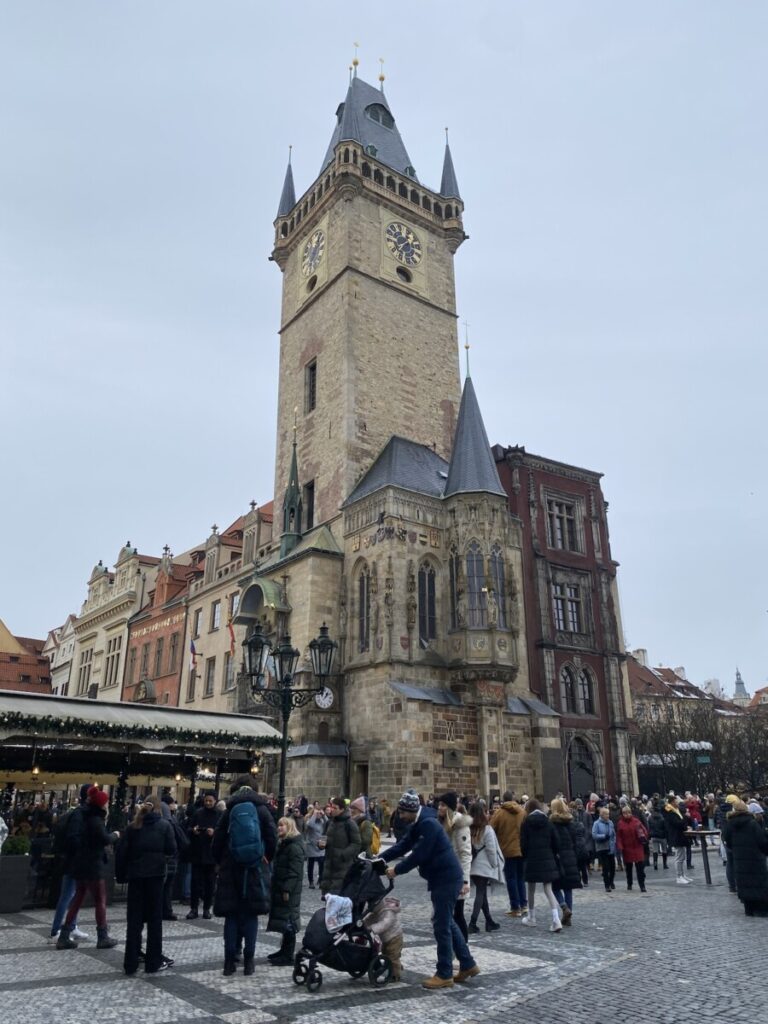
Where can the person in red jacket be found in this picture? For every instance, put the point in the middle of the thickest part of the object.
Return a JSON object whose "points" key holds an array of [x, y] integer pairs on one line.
{"points": [[632, 841]]}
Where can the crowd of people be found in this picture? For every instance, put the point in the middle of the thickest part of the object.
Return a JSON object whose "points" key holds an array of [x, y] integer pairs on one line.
{"points": [[236, 859]]}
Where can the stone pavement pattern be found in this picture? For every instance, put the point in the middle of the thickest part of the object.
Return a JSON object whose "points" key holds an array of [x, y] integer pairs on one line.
{"points": [[679, 954]]}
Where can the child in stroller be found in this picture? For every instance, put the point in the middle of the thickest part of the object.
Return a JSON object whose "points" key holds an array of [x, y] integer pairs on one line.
{"points": [[354, 947]]}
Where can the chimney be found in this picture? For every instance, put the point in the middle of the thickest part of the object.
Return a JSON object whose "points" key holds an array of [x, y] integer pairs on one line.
{"points": [[680, 671], [641, 655]]}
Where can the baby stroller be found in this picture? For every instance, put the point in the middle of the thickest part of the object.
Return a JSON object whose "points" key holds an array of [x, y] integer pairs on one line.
{"points": [[354, 947]]}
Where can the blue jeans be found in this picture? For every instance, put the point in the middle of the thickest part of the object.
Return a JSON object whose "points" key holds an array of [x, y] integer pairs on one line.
{"points": [[447, 933], [514, 873], [236, 926], [564, 896], [68, 885]]}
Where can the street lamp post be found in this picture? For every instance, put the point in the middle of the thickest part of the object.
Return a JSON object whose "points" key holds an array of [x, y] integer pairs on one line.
{"points": [[285, 697]]}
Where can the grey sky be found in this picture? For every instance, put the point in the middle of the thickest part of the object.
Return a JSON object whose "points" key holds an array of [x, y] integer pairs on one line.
{"points": [[613, 162]]}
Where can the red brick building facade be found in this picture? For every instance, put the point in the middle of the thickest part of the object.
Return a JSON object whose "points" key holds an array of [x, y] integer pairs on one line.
{"points": [[22, 663], [575, 642]]}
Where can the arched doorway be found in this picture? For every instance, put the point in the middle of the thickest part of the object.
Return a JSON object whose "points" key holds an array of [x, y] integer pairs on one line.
{"points": [[581, 768]]}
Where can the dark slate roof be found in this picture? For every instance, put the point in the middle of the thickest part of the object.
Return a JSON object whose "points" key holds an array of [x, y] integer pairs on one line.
{"points": [[318, 750], [516, 707], [449, 187], [473, 467], [288, 196], [432, 694], [403, 463], [353, 125], [539, 708]]}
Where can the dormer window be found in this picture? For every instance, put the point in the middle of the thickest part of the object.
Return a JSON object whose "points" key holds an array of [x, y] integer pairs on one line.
{"points": [[410, 171], [371, 150], [379, 113]]}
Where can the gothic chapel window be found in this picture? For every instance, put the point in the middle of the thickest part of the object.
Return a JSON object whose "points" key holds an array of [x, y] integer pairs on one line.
{"points": [[567, 691], [586, 692], [364, 610], [454, 572], [427, 618], [475, 586], [499, 583]]}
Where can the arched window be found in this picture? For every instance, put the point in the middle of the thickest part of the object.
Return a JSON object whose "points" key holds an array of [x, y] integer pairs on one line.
{"points": [[346, 156], [354, 156], [567, 691], [475, 586], [283, 230], [390, 183], [378, 177], [499, 583], [366, 170], [454, 567], [586, 692], [403, 191], [414, 196], [449, 211], [438, 210], [582, 774], [427, 617], [364, 609], [323, 732], [426, 203], [327, 182], [379, 113]]}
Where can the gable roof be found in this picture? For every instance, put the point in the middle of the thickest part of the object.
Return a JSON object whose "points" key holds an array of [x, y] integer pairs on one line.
{"points": [[406, 464], [354, 125], [473, 467]]}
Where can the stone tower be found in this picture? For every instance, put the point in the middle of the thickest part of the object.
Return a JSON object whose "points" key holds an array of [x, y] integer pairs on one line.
{"points": [[368, 339]]}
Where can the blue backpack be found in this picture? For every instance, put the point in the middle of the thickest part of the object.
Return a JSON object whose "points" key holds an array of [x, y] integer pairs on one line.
{"points": [[245, 843]]}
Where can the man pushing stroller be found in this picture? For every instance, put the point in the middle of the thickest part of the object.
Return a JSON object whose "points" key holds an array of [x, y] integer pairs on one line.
{"points": [[431, 852]]}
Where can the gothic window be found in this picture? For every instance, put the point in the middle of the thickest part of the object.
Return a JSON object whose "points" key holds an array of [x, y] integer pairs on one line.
{"points": [[390, 183], [438, 210], [567, 691], [414, 196], [499, 583], [427, 617], [426, 203], [366, 170], [475, 586], [454, 572], [561, 522], [378, 177], [567, 609], [449, 211], [379, 113], [308, 504], [364, 609], [323, 732], [586, 692], [159, 657], [402, 190]]}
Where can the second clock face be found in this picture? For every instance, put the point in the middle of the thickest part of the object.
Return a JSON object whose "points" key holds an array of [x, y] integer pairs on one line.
{"points": [[403, 243], [324, 699], [313, 253]]}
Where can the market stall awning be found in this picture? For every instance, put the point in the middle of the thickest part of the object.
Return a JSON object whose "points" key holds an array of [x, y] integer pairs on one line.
{"points": [[45, 719]]}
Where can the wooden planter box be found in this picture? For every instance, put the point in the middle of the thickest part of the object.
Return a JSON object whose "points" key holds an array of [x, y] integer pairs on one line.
{"points": [[14, 879]]}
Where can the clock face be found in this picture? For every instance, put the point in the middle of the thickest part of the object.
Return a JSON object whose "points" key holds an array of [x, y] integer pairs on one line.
{"points": [[403, 243], [313, 253], [324, 699]]}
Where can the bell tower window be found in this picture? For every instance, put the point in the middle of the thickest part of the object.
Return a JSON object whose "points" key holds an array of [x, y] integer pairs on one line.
{"points": [[378, 112]]}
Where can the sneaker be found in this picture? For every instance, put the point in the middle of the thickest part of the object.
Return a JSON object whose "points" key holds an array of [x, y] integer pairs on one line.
{"points": [[514, 913], [470, 972], [163, 967], [529, 919], [682, 880], [52, 939], [436, 982], [555, 926], [76, 933], [167, 960]]}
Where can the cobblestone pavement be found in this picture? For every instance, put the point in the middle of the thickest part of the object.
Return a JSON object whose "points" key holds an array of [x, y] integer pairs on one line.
{"points": [[679, 954]]}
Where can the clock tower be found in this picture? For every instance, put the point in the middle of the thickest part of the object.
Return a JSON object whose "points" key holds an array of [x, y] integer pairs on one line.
{"points": [[368, 337]]}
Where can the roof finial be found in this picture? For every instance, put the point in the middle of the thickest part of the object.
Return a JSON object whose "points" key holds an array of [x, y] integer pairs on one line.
{"points": [[295, 421], [350, 74], [381, 73], [466, 345], [446, 135], [290, 150], [355, 60]]}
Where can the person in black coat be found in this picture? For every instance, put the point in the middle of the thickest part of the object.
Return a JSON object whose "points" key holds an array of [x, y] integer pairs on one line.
{"points": [[570, 841], [748, 842], [540, 848], [144, 850], [200, 829], [88, 867], [242, 893]]}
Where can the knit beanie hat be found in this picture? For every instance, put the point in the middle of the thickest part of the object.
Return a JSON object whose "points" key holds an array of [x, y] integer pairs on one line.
{"points": [[449, 799], [98, 797], [358, 805], [409, 801]]}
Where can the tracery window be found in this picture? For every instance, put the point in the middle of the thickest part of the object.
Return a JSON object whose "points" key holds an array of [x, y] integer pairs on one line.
{"points": [[364, 609], [475, 586], [427, 616]]}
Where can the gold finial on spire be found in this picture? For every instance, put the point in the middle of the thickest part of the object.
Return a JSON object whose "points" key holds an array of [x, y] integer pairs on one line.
{"points": [[381, 73], [466, 344], [355, 60]]}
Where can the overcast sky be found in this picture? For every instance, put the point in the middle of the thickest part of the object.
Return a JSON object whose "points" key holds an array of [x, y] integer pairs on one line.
{"points": [[613, 162]]}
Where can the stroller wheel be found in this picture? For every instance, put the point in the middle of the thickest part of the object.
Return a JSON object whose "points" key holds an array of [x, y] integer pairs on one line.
{"points": [[380, 971], [300, 972], [314, 981]]}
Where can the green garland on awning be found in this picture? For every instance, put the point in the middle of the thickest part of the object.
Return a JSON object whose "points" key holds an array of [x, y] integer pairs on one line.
{"points": [[118, 731]]}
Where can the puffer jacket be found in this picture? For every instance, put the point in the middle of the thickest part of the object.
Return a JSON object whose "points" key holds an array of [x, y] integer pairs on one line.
{"points": [[629, 835], [146, 849], [487, 858], [89, 860], [539, 844], [604, 834], [239, 887], [506, 823], [342, 846], [287, 874], [457, 828], [657, 825], [748, 843], [677, 824], [570, 846]]}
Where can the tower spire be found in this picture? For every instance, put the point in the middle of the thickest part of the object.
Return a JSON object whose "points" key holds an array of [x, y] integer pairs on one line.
{"points": [[472, 468], [288, 195], [449, 186], [291, 504]]}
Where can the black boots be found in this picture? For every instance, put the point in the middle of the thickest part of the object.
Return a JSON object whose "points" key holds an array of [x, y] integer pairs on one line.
{"points": [[229, 968], [248, 965], [491, 925], [64, 941], [284, 956], [104, 939]]}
